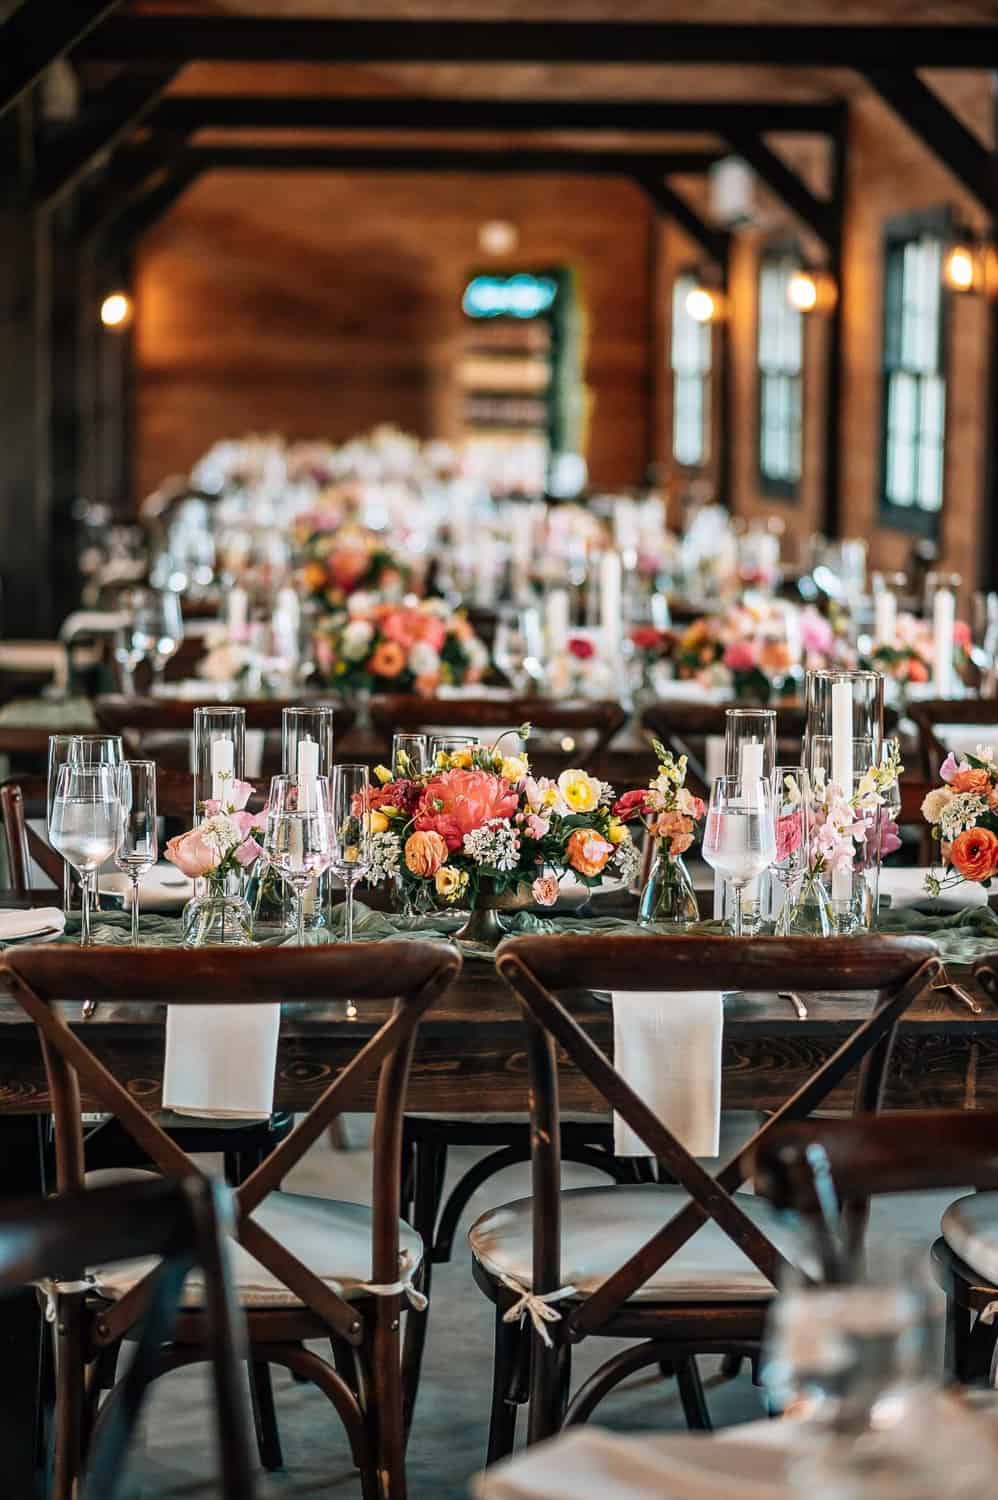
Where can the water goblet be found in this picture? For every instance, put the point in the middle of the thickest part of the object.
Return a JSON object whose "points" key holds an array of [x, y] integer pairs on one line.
{"points": [[84, 750], [84, 825], [351, 837], [138, 845], [739, 839], [298, 842]]}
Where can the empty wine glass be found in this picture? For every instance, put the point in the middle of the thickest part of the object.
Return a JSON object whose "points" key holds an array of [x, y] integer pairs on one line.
{"points": [[157, 627], [83, 750], [518, 648], [138, 846], [410, 755], [298, 840], [84, 823], [791, 813], [351, 837], [739, 839]]}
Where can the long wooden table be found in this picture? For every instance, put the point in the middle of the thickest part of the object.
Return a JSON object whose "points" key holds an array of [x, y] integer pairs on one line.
{"points": [[469, 1059]]}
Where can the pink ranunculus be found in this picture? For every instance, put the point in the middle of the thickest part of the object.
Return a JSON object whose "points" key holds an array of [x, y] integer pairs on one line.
{"points": [[248, 851], [545, 890], [741, 656], [239, 794], [457, 802], [192, 853], [950, 767], [631, 805]]}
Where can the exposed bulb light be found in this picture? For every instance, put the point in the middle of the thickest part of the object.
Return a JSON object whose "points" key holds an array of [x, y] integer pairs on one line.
{"points": [[959, 269], [802, 291], [498, 237], [701, 305], [116, 310]]}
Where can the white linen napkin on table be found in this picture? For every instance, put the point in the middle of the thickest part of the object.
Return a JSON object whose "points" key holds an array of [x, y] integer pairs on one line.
{"points": [[39, 921], [164, 888], [220, 1061], [667, 1048]]}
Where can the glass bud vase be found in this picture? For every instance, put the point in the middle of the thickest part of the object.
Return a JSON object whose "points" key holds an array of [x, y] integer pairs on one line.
{"points": [[668, 898], [219, 916]]}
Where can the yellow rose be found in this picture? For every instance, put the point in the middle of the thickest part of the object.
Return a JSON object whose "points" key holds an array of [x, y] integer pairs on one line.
{"points": [[616, 832], [514, 768], [461, 759], [379, 823], [383, 774], [449, 883], [580, 791]]}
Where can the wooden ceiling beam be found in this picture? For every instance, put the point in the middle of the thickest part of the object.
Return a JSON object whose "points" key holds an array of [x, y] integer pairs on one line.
{"points": [[713, 241], [971, 162], [434, 159], [38, 33], [819, 214], [263, 39], [119, 107]]}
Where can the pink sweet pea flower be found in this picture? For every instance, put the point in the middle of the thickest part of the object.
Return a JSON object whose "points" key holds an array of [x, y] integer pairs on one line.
{"points": [[951, 766], [248, 851], [239, 794], [249, 822], [212, 806]]}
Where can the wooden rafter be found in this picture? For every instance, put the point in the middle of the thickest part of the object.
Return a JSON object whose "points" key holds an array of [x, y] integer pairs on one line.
{"points": [[971, 162], [117, 109], [38, 33], [819, 214]]}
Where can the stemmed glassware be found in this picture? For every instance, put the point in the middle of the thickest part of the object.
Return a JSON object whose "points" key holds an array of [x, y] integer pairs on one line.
{"points": [[155, 630], [518, 649], [298, 841], [351, 836], [83, 750], [84, 823], [137, 846], [410, 755], [739, 839]]}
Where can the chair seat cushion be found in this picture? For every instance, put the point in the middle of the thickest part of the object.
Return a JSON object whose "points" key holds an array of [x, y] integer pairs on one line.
{"points": [[332, 1239], [970, 1228], [601, 1227]]}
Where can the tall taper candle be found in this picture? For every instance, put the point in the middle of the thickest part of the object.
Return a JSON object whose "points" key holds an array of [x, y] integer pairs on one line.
{"points": [[943, 620]]}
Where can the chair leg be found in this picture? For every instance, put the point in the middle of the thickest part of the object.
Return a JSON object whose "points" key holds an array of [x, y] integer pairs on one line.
{"points": [[502, 1419], [691, 1394], [268, 1438], [68, 1399], [430, 1165]]}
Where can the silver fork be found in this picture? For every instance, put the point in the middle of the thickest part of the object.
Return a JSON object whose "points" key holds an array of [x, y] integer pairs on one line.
{"points": [[795, 1001]]}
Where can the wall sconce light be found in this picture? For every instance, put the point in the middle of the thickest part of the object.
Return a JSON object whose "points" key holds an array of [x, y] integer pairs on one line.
{"points": [[811, 291], [498, 237], [962, 269], [704, 304], [116, 310]]}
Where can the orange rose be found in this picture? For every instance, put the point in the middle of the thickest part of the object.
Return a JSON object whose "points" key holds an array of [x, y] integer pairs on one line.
{"points": [[314, 577], [917, 671], [971, 780], [673, 829], [425, 853], [387, 660], [588, 851], [974, 854]]}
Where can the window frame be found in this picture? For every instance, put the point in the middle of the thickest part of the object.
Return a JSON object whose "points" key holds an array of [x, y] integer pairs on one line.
{"points": [[771, 485], [705, 376], [914, 519]]}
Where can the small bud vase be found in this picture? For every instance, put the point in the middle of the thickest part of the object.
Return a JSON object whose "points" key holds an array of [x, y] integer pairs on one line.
{"points": [[668, 898], [219, 916]]}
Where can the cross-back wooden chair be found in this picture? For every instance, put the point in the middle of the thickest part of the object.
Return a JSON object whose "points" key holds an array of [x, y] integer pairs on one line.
{"points": [[917, 1151], [931, 712], [618, 1262], [305, 1268], [181, 1222], [585, 728]]}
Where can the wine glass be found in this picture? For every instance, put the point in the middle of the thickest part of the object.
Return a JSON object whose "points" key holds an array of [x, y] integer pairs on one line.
{"points": [[792, 817], [138, 846], [351, 837], [410, 754], [157, 627], [84, 750], [84, 825], [298, 840], [518, 649], [739, 839]]}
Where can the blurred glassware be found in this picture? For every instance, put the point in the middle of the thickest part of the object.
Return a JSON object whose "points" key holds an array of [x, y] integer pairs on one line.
{"points": [[84, 824], [739, 840], [138, 844]]}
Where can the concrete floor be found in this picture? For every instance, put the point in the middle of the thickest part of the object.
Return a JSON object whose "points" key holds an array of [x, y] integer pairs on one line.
{"points": [[175, 1456]]}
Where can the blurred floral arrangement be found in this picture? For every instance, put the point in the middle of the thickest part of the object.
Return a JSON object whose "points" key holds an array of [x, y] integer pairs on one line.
{"points": [[910, 657], [756, 647], [409, 646], [963, 813], [479, 823], [337, 561]]}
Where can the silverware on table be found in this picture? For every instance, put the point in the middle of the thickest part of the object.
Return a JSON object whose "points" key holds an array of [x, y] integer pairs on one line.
{"points": [[795, 1001], [964, 996]]}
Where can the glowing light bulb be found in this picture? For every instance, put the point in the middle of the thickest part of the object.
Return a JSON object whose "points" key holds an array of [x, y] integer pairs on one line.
{"points": [[802, 291], [960, 269], [116, 310], [700, 304]]}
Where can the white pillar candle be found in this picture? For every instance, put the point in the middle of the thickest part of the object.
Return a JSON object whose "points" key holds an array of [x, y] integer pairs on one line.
{"points": [[610, 585], [557, 621], [485, 569], [237, 612], [842, 769], [943, 620], [885, 614], [308, 771], [750, 773], [222, 766]]}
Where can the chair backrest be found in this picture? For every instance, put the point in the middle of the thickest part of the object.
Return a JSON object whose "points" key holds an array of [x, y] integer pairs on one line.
{"points": [[410, 977], [599, 720], [896, 969], [181, 1221], [934, 711], [118, 714], [22, 843]]}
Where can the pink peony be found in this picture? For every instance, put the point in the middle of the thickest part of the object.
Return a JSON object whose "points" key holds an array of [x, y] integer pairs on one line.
{"points": [[741, 656], [457, 802], [545, 890], [192, 853]]}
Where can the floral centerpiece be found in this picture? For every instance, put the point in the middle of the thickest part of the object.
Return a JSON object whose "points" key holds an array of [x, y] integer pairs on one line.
{"points": [[220, 850], [337, 561], [412, 646], [910, 656], [755, 649], [479, 830], [964, 817], [670, 813]]}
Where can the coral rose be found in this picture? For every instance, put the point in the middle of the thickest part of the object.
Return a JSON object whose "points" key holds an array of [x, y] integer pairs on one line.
{"points": [[974, 854], [457, 802], [545, 890], [674, 830], [387, 659], [588, 851], [971, 780], [192, 853], [917, 670], [425, 853]]}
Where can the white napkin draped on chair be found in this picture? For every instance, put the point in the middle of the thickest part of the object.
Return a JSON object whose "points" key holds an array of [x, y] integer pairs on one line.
{"points": [[667, 1048], [38, 922], [220, 1061]]}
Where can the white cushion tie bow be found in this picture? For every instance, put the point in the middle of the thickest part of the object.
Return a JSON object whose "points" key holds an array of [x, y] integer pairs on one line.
{"points": [[537, 1304], [401, 1288]]}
